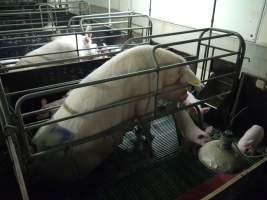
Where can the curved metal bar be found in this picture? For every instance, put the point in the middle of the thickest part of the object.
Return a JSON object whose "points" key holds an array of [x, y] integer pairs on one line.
{"points": [[37, 92], [234, 96], [91, 15], [111, 17], [160, 35]]}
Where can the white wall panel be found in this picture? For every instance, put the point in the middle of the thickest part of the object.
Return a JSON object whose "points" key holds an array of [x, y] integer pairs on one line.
{"points": [[242, 16], [190, 13]]}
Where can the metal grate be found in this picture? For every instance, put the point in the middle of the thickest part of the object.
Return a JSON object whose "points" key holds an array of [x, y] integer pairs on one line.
{"points": [[164, 142], [125, 175]]}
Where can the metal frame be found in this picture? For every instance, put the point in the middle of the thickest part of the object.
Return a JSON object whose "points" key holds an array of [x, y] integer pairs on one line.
{"points": [[22, 128], [33, 15], [75, 26], [15, 118], [9, 123]]}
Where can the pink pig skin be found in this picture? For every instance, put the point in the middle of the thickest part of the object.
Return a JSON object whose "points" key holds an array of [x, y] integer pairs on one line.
{"points": [[251, 139]]}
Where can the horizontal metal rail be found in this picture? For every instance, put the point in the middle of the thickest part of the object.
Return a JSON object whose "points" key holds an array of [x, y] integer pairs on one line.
{"points": [[78, 17], [28, 114], [30, 13], [57, 62], [216, 47], [111, 130], [32, 23], [70, 87], [66, 86], [113, 17]]}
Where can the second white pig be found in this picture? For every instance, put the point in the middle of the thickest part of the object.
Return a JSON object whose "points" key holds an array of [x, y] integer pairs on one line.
{"points": [[52, 51]]}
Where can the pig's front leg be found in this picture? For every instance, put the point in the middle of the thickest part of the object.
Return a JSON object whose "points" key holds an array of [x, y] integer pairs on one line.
{"points": [[189, 130]]}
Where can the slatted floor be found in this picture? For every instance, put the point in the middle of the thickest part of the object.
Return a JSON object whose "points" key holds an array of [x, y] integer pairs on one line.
{"points": [[131, 175]]}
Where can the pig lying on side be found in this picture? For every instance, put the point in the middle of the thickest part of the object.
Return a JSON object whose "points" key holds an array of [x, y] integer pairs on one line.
{"points": [[86, 157], [59, 44]]}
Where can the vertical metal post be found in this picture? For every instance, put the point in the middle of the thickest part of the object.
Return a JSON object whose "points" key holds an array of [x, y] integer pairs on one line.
{"points": [[206, 54], [149, 11], [109, 11], [213, 13], [7, 135], [77, 47], [17, 168]]}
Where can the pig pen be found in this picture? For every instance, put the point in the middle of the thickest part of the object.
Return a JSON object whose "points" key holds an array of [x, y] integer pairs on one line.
{"points": [[160, 168]]}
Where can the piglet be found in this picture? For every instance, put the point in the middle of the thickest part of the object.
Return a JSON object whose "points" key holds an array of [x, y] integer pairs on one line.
{"points": [[187, 126], [52, 106], [191, 99], [252, 137]]}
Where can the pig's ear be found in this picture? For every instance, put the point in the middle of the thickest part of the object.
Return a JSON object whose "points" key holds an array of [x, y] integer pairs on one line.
{"points": [[187, 76], [88, 36]]}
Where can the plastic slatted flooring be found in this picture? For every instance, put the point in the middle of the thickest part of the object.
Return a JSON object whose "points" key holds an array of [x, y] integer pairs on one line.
{"points": [[131, 175]]}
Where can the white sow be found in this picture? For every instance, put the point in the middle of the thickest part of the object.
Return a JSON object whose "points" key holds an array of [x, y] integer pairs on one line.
{"points": [[84, 158], [59, 44]]}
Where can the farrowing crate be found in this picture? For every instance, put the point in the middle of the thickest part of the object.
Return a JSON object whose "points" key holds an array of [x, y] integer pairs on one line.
{"points": [[112, 29], [205, 55]]}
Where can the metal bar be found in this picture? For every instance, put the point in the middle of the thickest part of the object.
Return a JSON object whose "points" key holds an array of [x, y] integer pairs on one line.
{"points": [[42, 88], [58, 35], [68, 86], [4, 102], [203, 71], [107, 24], [27, 22], [239, 61], [95, 15], [62, 89], [42, 29], [218, 48], [162, 35], [111, 17], [30, 30], [106, 107], [213, 13], [211, 63], [58, 62], [17, 168], [30, 12], [109, 106], [34, 113], [110, 130], [63, 34]]}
